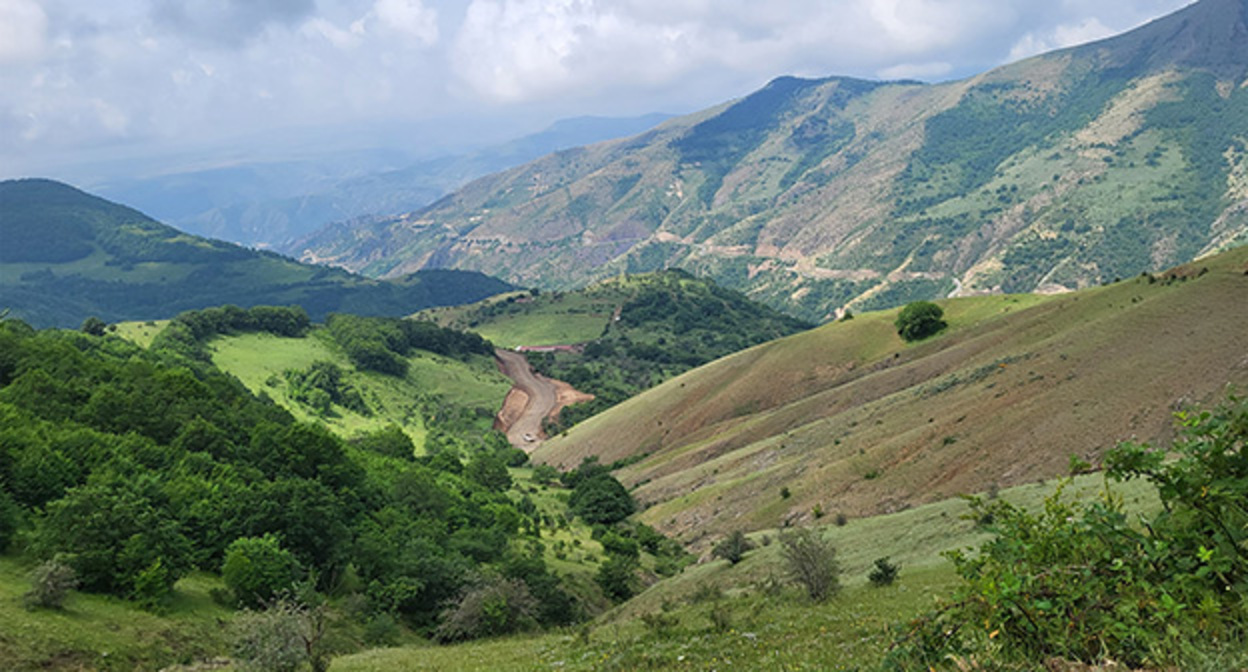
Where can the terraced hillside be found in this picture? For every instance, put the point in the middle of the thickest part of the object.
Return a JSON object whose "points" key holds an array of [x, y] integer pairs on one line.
{"points": [[848, 419]]}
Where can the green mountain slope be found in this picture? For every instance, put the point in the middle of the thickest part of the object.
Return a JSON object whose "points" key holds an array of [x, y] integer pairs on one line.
{"points": [[67, 255], [1061, 171], [849, 419], [630, 333]]}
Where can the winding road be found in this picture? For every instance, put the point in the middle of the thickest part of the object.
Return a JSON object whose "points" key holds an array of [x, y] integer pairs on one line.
{"points": [[533, 397]]}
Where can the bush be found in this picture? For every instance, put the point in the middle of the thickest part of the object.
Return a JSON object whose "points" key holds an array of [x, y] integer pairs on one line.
{"points": [[495, 607], [601, 499], [1081, 582], [281, 638], [811, 562], [50, 584], [884, 573], [919, 319], [618, 577], [258, 569], [733, 548]]}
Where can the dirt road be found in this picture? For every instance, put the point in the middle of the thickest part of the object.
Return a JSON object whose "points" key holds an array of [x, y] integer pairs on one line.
{"points": [[533, 397]]}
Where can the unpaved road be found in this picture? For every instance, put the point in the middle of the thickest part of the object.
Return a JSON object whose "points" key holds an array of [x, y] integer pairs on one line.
{"points": [[532, 398]]}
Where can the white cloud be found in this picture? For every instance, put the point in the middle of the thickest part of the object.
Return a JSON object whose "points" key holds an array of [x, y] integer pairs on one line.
{"points": [[23, 28], [409, 17], [920, 71], [1059, 37]]}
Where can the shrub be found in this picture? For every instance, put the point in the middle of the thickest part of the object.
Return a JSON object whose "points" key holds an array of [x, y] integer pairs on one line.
{"points": [[50, 584], [281, 638], [618, 577], [497, 606], [884, 573], [734, 548], [1083, 583], [811, 562], [258, 569], [919, 319]]}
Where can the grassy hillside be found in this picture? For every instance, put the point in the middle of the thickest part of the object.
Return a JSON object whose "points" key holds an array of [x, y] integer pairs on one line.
{"points": [[632, 332], [849, 419], [432, 382], [69, 255], [764, 624], [1065, 170]]}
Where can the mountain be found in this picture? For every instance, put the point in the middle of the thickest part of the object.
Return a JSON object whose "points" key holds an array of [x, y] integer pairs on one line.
{"points": [[272, 204], [67, 255], [1061, 171], [849, 419]]}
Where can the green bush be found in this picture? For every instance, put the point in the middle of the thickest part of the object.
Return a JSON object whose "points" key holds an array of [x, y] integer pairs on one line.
{"points": [[734, 548], [884, 573], [495, 607], [919, 319], [258, 569], [1084, 583]]}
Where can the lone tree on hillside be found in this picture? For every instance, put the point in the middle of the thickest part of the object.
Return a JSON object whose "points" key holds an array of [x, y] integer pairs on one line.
{"points": [[920, 319], [811, 562]]}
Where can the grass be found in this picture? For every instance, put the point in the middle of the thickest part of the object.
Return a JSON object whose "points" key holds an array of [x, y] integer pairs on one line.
{"points": [[758, 621], [259, 361], [511, 320], [853, 420], [141, 333], [105, 633]]}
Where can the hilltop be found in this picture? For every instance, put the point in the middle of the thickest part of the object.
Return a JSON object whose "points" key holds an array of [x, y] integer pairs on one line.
{"points": [[848, 419], [68, 255], [623, 335], [1058, 172]]}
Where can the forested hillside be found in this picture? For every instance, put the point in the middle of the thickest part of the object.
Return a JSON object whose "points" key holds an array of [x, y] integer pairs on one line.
{"points": [[68, 255], [131, 468]]}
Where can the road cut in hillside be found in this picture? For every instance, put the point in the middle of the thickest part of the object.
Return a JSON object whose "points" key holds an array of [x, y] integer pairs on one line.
{"points": [[532, 398]]}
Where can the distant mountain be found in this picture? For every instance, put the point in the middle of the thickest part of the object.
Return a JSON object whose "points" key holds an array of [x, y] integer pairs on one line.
{"points": [[272, 204], [66, 255], [1061, 171]]}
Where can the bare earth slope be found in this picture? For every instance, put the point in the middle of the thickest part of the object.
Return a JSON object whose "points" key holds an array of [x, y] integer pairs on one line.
{"points": [[851, 420], [532, 399]]}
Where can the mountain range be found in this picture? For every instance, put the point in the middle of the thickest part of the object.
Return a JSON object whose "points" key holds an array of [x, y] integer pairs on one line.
{"points": [[1061, 171], [269, 204]]}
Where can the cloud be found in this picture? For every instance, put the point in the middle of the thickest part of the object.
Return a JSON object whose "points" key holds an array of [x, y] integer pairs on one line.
{"points": [[409, 17], [164, 72], [228, 22], [23, 25], [1059, 37]]}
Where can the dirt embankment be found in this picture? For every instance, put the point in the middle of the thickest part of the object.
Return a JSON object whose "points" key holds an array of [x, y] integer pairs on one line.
{"points": [[533, 397]]}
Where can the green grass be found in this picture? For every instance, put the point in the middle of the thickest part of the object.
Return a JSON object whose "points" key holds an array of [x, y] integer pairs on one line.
{"points": [[105, 633], [516, 319], [140, 333], [259, 360], [769, 625]]}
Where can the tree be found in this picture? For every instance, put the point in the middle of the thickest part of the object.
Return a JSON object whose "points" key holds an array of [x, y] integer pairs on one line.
{"points": [[811, 562], [733, 548], [601, 500], [884, 573], [918, 320], [94, 326], [258, 569], [618, 577]]}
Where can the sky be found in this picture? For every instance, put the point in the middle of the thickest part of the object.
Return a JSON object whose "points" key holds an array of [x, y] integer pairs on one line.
{"points": [[83, 81]]}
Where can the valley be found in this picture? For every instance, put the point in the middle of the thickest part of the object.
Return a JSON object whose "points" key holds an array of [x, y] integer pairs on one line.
{"points": [[842, 374]]}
